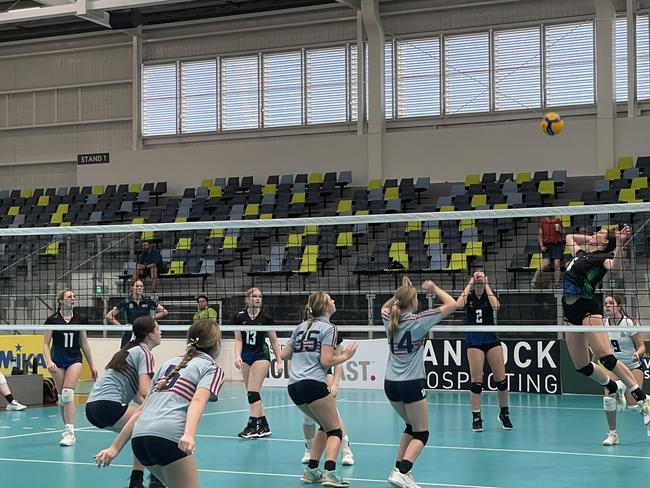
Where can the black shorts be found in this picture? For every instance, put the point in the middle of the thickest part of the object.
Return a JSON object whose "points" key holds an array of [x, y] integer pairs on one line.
{"points": [[105, 413], [484, 347], [553, 251], [249, 357], [156, 451], [307, 391], [405, 391], [574, 313]]}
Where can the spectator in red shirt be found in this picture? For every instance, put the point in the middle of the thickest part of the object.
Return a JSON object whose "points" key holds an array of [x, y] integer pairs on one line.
{"points": [[551, 244]]}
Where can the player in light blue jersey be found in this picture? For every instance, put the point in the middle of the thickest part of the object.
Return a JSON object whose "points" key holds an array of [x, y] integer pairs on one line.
{"points": [[312, 350], [404, 383], [164, 428], [627, 347], [127, 378]]}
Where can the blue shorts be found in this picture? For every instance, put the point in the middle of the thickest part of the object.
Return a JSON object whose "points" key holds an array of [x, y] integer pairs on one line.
{"points": [[64, 361], [553, 251], [249, 357]]}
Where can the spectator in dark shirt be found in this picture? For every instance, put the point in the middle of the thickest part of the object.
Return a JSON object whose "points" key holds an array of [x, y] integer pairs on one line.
{"points": [[148, 264], [551, 244]]}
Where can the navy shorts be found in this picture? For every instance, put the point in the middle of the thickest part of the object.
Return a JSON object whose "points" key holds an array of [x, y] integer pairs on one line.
{"points": [[105, 413], [484, 347], [553, 251], [249, 357], [156, 451], [405, 391], [575, 313], [307, 391], [64, 361]]}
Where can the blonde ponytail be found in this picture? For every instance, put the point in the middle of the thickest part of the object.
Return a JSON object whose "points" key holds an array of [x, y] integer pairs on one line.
{"points": [[404, 297]]}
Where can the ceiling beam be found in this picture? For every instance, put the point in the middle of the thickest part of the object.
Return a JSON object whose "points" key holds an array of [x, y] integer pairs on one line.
{"points": [[355, 4]]}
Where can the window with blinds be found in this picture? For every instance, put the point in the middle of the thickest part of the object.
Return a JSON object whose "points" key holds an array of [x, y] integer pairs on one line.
{"points": [[388, 81], [282, 89], [159, 99], [326, 85], [642, 58], [467, 73], [239, 93], [199, 96], [418, 77], [517, 69], [569, 53]]}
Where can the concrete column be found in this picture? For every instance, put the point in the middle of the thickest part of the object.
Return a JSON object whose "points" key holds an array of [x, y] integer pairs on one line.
{"points": [[605, 84]]}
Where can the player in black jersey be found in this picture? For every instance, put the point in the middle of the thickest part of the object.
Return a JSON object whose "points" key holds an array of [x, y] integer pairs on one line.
{"points": [[63, 361], [594, 255], [253, 358]]}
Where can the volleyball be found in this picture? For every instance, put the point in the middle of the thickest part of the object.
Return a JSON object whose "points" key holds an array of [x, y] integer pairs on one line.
{"points": [[552, 124]]}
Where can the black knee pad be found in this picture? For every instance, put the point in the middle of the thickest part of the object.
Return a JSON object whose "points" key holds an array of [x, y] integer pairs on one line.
{"points": [[320, 427], [587, 370], [609, 362], [335, 433], [476, 388], [254, 396], [502, 385], [422, 436], [409, 429]]}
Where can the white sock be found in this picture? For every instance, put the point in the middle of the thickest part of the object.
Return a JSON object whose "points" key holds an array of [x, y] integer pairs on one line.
{"points": [[345, 442], [612, 432], [70, 428]]}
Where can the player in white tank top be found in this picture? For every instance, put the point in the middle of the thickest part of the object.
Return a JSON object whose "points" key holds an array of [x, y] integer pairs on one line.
{"points": [[627, 347]]}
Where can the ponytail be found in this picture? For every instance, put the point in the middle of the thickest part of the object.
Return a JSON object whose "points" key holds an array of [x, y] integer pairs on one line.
{"points": [[403, 299], [142, 327]]}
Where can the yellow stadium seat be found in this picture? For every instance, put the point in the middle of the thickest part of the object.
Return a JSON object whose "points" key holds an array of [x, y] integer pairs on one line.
{"points": [[466, 224], [229, 242], [535, 261], [294, 240], [266, 216], [639, 182], [147, 235], [184, 244], [309, 260], [310, 230], [398, 253], [63, 208], [546, 188], [175, 268], [566, 221], [298, 198], [523, 177], [375, 185], [478, 200], [344, 239], [625, 162], [472, 180], [500, 206], [315, 178], [362, 212], [215, 192], [51, 250], [135, 187], [43, 201], [447, 208], [98, 190], [26, 193], [474, 249], [56, 218], [413, 226], [432, 236], [269, 189], [392, 193], [13, 211], [217, 233], [137, 220], [180, 219], [344, 206], [252, 210], [206, 183], [628, 195], [576, 204], [457, 262], [65, 224], [612, 174]]}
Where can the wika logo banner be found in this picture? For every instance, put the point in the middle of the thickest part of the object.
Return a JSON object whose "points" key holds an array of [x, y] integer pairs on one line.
{"points": [[20, 351]]}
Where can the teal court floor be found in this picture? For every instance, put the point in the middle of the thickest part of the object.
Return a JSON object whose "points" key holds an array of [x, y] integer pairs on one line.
{"points": [[556, 443]]}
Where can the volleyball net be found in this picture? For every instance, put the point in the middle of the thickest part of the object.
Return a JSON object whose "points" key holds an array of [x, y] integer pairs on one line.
{"points": [[358, 259]]}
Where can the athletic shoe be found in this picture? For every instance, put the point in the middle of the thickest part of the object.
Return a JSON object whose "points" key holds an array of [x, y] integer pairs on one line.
{"points": [[155, 482], [477, 425], [136, 484], [305, 457], [621, 402], [645, 411], [505, 422], [402, 480], [348, 458], [612, 439], [250, 431], [332, 478], [262, 430], [312, 475], [14, 405], [67, 438], [393, 476]]}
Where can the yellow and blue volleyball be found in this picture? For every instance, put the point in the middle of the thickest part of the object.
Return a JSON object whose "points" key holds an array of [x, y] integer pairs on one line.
{"points": [[552, 124]]}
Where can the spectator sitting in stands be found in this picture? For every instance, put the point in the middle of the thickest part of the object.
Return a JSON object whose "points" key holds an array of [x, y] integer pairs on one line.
{"points": [[550, 238], [205, 311], [149, 263]]}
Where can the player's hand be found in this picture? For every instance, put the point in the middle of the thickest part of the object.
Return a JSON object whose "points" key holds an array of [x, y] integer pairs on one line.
{"points": [[428, 285], [334, 389], [238, 362], [636, 357], [94, 374], [51, 367], [103, 458], [348, 352], [187, 444], [406, 281], [542, 248], [623, 234], [279, 365]]}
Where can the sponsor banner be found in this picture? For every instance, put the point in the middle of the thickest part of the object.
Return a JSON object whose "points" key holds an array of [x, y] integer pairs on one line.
{"points": [[20, 351], [364, 371], [532, 366]]}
